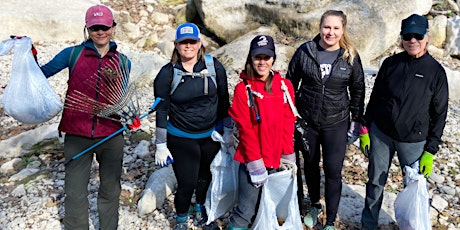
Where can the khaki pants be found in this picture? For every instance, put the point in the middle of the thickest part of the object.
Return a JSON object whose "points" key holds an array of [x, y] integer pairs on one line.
{"points": [[77, 174]]}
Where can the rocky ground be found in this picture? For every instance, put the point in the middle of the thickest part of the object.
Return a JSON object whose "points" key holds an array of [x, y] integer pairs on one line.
{"points": [[36, 202]]}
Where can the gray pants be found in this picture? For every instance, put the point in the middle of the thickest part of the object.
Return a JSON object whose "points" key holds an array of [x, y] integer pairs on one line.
{"points": [[383, 149], [248, 201], [77, 174]]}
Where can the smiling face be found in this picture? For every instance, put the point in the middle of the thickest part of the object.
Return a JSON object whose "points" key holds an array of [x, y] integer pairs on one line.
{"points": [[188, 49], [414, 47], [100, 35], [331, 31], [262, 64]]}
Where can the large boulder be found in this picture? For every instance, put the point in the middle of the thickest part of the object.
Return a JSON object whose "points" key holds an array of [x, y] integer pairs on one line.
{"points": [[373, 25], [453, 36]]}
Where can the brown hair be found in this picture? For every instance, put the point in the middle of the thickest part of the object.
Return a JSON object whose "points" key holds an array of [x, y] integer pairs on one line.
{"points": [[345, 42], [251, 73]]}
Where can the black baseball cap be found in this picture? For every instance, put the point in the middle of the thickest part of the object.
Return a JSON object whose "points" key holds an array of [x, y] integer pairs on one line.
{"points": [[262, 44], [414, 24]]}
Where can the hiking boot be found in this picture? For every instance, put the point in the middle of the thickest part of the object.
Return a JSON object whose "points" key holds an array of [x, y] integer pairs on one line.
{"points": [[311, 217], [181, 226], [329, 227], [199, 218], [211, 226]]}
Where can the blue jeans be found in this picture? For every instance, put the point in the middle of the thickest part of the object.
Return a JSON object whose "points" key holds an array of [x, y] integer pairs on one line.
{"points": [[248, 200], [383, 149]]}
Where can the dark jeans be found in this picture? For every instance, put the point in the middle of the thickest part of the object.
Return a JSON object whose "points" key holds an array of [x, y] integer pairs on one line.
{"points": [[332, 140], [383, 149], [192, 161], [248, 202], [77, 174]]}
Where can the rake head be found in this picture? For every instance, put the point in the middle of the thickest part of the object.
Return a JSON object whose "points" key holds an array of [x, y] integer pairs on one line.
{"points": [[117, 97]]}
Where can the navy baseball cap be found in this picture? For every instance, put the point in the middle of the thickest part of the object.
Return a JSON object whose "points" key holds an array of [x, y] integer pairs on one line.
{"points": [[187, 31], [262, 44], [414, 24]]}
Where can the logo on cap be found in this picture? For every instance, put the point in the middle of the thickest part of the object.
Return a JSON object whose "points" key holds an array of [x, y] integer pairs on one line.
{"points": [[186, 30], [262, 41], [98, 14]]}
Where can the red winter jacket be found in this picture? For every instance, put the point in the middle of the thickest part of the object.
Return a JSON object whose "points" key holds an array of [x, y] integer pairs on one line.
{"points": [[274, 135], [89, 76]]}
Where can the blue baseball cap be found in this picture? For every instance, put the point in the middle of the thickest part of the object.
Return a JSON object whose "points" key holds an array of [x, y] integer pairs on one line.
{"points": [[414, 24], [187, 31]]}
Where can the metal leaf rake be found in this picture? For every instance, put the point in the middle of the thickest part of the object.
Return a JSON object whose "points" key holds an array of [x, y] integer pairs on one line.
{"points": [[116, 99]]}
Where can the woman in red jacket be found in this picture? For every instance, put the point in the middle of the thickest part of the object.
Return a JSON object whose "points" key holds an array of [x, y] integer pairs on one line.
{"points": [[265, 121]]}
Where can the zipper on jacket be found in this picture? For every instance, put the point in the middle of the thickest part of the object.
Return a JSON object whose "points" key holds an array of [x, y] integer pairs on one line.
{"points": [[93, 125]]}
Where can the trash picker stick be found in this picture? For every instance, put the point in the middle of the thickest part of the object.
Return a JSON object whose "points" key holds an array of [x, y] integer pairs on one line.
{"points": [[152, 109]]}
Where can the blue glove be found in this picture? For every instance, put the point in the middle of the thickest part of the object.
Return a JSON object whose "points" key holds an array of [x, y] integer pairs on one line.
{"points": [[353, 132], [257, 172]]}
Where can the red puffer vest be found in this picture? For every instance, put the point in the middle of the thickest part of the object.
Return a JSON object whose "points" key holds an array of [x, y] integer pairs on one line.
{"points": [[84, 78]]}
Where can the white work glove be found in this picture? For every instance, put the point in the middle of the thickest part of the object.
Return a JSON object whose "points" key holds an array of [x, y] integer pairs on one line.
{"points": [[353, 132], [257, 172], [162, 155], [228, 137], [288, 162]]}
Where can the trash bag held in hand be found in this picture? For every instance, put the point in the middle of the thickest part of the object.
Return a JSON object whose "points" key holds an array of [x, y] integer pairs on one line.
{"points": [[412, 205], [278, 207], [223, 191], [28, 97]]}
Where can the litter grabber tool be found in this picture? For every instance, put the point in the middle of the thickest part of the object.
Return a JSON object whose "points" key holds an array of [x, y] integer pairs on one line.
{"points": [[251, 101], [125, 127]]}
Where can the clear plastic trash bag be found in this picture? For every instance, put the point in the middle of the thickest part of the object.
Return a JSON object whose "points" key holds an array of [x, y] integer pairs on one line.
{"points": [[28, 97], [412, 205], [222, 193], [278, 207]]}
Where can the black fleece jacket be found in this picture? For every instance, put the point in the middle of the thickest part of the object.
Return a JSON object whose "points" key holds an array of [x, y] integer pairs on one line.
{"points": [[409, 100]]}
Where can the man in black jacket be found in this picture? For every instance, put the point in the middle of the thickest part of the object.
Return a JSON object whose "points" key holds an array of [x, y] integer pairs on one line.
{"points": [[406, 113]]}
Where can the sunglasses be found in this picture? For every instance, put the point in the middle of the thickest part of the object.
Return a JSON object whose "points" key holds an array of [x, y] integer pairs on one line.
{"points": [[188, 41], [408, 37], [99, 27]]}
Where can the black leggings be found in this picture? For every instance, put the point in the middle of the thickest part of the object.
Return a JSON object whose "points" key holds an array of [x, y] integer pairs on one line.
{"points": [[332, 140], [192, 160]]}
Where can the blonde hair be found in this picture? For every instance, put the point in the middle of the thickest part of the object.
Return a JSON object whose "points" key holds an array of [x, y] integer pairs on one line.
{"points": [[345, 41]]}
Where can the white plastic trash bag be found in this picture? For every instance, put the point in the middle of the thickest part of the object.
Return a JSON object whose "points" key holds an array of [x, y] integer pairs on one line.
{"points": [[223, 191], [28, 97], [278, 207], [412, 205]]}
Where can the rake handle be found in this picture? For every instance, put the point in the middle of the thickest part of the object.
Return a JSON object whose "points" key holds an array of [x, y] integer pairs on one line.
{"points": [[152, 109]]}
